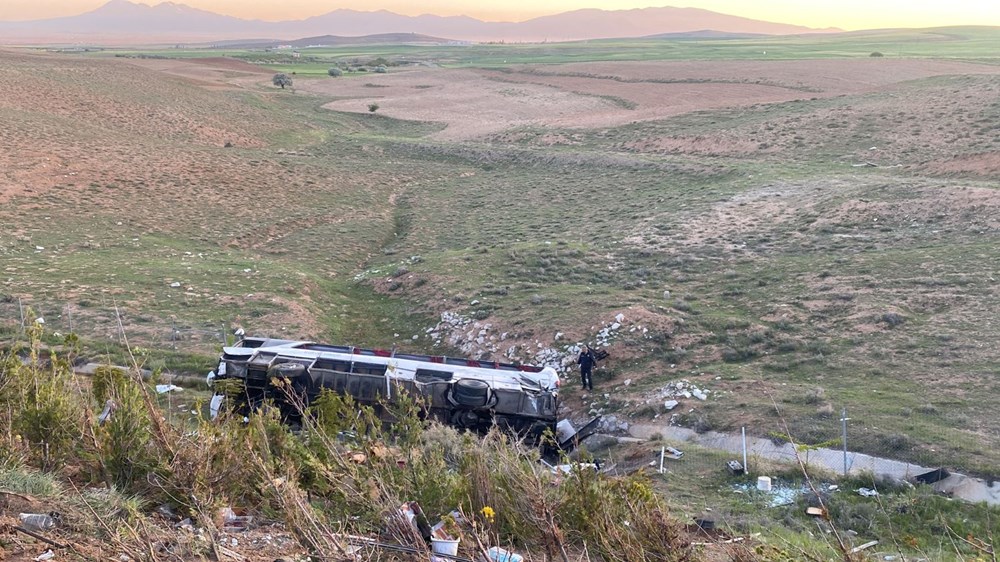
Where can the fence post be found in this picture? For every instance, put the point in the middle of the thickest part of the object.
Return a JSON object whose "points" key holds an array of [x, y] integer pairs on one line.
{"points": [[20, 309], [743, 430], [843, 421]]}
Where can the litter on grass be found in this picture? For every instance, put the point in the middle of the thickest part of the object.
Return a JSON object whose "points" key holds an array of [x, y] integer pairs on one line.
{"points": [[781, 493]]}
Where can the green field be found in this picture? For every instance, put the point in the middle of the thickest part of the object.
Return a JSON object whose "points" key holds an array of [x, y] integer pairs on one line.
{"points": [[959, 43]]}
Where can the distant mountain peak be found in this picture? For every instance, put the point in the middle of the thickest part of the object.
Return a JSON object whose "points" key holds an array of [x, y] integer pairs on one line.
{"points": [[173, 21]]}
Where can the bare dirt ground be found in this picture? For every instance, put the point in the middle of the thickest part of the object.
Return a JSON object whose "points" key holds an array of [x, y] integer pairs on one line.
{"points": [[474, 102], [216, 73]]}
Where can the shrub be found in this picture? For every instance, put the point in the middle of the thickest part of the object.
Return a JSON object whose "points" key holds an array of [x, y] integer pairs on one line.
{"points": [[876, 54], [41, 404], [335, 72], [892, 319]]}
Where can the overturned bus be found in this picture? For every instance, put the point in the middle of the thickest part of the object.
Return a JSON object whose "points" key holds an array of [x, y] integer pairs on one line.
{"points": [[464, 393]]}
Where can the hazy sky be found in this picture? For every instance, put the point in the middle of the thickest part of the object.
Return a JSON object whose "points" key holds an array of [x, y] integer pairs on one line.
{"points": [[846, 14]]}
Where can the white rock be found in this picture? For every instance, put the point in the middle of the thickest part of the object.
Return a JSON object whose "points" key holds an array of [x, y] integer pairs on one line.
{"points": [[670, 405], [628, 382], [700, 395], [616, 325], [175, 284], [620, 318], [474, 303]]}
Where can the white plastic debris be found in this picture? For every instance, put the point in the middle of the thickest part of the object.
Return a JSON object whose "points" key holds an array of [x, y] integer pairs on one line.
{"points": [[37, 521], [47, 555], [165, 388]]}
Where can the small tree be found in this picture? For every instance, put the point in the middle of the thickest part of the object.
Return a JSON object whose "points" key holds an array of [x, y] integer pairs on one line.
{"points": [[335, 72], [281, 80], [876, 54], [372, 107]]}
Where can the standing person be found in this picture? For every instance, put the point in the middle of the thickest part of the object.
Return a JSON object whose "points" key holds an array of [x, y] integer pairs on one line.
{"points": [[586, 361]]}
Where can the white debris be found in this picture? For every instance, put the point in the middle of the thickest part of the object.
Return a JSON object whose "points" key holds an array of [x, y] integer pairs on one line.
{"points": [[165, 388], [175, 284], [670, 405]]}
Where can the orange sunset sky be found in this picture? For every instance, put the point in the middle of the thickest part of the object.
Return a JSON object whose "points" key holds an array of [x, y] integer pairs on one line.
{"points": [[845, 14]]}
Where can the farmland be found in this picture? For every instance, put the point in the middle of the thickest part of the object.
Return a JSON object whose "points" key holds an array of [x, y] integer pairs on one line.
{"points": [[812, 228]]}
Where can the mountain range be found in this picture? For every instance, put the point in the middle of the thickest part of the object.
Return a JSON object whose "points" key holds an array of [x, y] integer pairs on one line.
{"points": [[121, 21]]}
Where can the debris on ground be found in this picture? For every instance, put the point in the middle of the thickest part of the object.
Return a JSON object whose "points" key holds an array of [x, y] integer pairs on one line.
{"points": [[496, 554], [867, 492], [816, 511], [568, 468], [166, 511], [39, 521], [235, 521], [861, 547], [780, 494], [735, 468], [47, 555], [165, 388], [672, 453]]}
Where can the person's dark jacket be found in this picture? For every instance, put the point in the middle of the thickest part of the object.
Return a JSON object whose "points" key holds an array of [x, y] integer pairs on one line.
{"points": [[586, 360]]}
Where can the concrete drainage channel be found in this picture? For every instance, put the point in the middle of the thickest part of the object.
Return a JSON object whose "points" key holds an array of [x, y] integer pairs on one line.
{"points": [[955, 485]]}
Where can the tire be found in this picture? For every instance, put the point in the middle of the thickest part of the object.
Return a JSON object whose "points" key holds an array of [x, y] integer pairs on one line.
{"points": [[470, 392]]}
